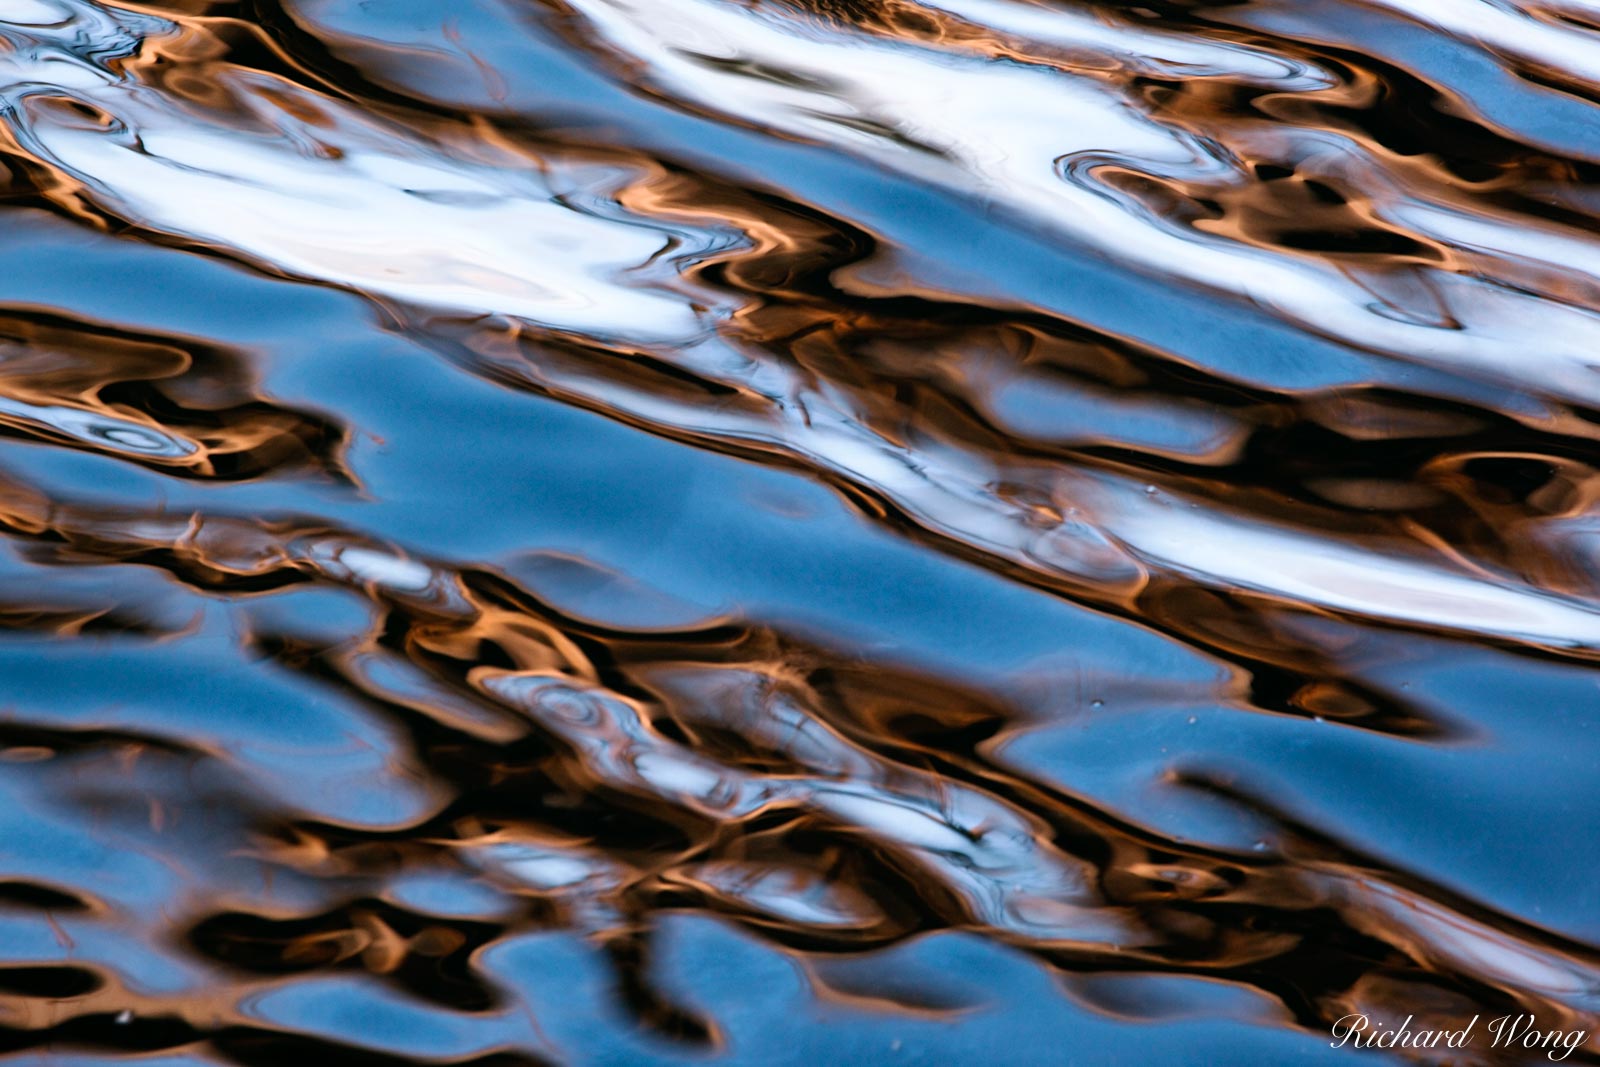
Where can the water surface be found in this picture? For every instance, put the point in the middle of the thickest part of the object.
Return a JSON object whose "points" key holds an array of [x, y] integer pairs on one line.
{"points": [[796, 531]]}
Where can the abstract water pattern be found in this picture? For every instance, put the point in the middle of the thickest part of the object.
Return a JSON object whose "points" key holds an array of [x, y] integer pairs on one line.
{"points": [[796, 531]]}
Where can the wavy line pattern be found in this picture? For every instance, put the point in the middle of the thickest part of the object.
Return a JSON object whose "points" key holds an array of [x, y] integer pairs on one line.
{"points": [[789, 531]]}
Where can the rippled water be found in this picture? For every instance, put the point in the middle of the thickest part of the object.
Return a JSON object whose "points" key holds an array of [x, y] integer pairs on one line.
{"points": [[796, 531]]}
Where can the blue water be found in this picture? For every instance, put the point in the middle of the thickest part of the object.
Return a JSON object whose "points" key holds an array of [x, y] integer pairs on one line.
{"points": [[797, 531]]}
